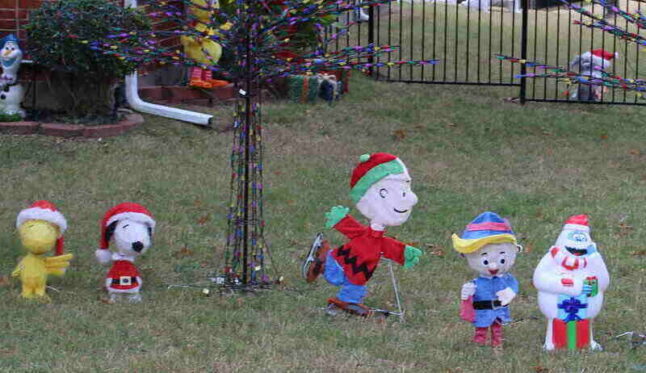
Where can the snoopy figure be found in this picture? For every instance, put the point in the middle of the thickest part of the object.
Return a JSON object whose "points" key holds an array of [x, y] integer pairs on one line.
{"points": [[130, 227], [591, 65]]}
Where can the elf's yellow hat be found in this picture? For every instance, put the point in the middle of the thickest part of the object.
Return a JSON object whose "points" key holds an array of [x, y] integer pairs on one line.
{"points": [[487, 228]]}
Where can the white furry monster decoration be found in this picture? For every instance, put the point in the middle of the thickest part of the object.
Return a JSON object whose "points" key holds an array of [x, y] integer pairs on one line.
{"points": [[130, 227], [11, 92], [571, 279]]}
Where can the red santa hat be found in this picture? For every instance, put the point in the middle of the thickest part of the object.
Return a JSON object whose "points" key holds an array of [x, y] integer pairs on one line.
{"points": [[47, 211], [602, 53], [577, 222], [123, 211], [371, 169]]}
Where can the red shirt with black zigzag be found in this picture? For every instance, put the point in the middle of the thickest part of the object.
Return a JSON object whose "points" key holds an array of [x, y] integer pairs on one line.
{"points": [[360, 256]]}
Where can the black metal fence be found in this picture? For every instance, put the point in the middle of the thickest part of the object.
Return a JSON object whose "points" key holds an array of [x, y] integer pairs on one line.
{"points": [[466, 36]]}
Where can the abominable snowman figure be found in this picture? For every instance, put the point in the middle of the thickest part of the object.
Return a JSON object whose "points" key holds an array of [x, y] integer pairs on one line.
{"points": [[11, 92], [130, 226], [490, 247], [591, 64], [571, 279], [381, 189]]}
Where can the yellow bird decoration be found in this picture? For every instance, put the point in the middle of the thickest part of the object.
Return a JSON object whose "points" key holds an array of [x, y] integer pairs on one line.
{"points": [[203, 49], [41, 228]]}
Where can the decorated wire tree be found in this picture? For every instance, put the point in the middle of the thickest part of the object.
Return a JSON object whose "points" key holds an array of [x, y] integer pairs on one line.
{"points": [[265, 40], [599, 78]]}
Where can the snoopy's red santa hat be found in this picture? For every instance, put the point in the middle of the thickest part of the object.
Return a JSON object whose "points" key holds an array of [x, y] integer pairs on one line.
{"points": [[602, 53], [47, 211], [577, 222], [123, 211]]}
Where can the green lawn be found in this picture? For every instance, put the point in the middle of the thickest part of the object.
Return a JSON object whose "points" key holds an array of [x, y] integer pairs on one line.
{"points": [[467, 150]]}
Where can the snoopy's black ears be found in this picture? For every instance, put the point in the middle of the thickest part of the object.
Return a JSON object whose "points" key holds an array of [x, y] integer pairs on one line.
{"points": [[520, 248], [150, 233], [109, 231]]}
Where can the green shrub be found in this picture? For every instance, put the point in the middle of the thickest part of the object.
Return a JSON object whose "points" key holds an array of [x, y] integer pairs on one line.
{"points": [[59, 32], [82, 80]]}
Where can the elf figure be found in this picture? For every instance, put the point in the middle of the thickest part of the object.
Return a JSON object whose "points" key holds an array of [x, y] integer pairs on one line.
{"points": [[381, 190], [571, 279], [490, 247]]}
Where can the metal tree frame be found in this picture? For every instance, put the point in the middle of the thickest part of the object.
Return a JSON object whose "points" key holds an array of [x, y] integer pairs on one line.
{"points": [[258, 30], [246, 246]]}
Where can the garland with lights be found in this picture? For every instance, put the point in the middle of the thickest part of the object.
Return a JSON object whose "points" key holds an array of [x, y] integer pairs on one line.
{"points": [[605, 79]]}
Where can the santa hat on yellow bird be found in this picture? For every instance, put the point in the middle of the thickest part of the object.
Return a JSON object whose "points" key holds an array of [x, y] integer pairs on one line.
{"points": [[47, 211]]}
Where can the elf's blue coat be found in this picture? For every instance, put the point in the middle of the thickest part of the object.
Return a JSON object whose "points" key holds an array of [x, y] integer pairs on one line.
{"points": [[486, 289]]}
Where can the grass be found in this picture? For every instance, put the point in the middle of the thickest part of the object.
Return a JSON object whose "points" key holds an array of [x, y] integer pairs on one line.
{"points": [[467, 150]]}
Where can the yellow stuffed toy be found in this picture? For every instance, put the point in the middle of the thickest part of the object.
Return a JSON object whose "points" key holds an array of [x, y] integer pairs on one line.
{"points": [[203, 49], [41, 228]]}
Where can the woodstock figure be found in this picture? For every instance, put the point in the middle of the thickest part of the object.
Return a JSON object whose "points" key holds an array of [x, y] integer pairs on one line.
{"points": [[571, 279], [381, 190], [203, 49], [11, 92], [41, 228], [591, 64], [490, 247], [130, 226]]}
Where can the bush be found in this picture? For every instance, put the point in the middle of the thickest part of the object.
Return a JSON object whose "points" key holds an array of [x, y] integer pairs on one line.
{"points": [[59, 33]]}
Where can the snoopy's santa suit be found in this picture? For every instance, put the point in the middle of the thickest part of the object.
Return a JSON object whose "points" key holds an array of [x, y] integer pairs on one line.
{"points": [[123, 276], [571, 279]]}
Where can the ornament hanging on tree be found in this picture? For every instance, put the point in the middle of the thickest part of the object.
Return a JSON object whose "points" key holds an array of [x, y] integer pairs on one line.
{"points": [[571, 280], [381, 190], [490, 247]]}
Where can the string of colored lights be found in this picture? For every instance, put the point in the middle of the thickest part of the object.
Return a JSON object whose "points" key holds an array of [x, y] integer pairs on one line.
{"points": [[598, 22], [145, 48], [603, 79]]}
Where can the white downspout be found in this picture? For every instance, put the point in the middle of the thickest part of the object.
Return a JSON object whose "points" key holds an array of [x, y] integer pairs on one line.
{"points": [[132, 96]]}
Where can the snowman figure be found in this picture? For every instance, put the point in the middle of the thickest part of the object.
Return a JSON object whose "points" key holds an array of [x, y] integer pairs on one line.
{"points": [[593, 64], [571, 279], [11, 92], [381, 190]]}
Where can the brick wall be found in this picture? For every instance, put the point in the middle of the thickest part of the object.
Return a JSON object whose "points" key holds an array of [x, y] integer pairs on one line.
{"points": [[13, 15]]}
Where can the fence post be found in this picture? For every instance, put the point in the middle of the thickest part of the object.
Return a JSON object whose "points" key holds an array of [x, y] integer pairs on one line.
{"points": [[523, 52], [371, 38]]}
